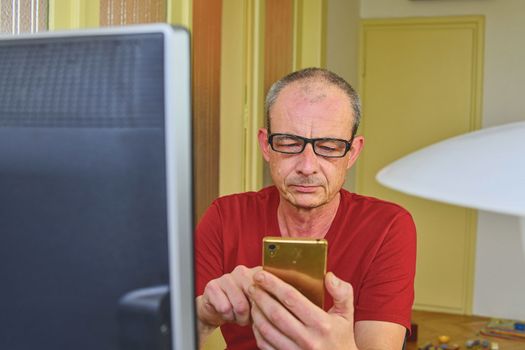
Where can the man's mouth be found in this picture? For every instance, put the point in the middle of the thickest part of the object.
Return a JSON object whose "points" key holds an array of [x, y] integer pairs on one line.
{"points": [[305, 188]]}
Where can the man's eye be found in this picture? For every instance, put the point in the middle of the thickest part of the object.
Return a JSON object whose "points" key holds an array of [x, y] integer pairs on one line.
{"points": [[329, 146], [288, 143], [328, 149]]}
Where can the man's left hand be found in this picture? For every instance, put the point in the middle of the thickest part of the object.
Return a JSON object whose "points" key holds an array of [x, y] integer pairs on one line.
{"points": [[285, 319]]}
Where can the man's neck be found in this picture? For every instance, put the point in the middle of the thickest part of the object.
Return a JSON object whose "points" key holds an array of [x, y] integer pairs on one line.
{"points": [[301, 222]]}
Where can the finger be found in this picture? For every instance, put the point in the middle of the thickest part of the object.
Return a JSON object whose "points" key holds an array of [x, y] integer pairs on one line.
{"points": [[267, 332], [261, 342], [307, 312], [343, 296], [279, 317], [238, 300], [243, 276], [216, 301]]}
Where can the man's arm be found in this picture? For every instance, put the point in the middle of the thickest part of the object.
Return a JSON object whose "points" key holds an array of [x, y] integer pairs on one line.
{"points": [[379, 335], [284, 319]]}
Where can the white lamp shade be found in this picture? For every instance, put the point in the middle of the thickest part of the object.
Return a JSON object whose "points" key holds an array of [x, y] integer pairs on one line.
{"points": [[482, 170]]}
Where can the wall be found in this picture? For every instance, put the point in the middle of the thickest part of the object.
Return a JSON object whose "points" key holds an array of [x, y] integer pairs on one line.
{"points": [[500, 264], [341, 47]]}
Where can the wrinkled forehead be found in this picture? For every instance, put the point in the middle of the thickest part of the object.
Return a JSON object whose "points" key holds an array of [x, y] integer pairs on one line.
{"points": [[308, 90], [312, 101]]}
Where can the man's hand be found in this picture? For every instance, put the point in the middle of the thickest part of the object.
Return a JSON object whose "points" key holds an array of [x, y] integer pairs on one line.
{"points": [[284, 319], [225, 299]]}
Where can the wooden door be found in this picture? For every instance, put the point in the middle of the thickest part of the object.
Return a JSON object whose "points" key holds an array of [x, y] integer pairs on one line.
{"points": [[206, 40], [421, 83]]}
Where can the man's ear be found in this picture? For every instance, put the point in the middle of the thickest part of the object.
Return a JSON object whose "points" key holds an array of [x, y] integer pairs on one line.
{"points": [[262, 135], [357, 146]]}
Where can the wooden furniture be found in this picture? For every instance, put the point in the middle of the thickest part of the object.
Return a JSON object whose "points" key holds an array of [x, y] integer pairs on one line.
{"points": [[459, 328]]}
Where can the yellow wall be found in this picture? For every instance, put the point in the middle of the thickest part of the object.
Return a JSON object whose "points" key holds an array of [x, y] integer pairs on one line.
{"points": [[232, 137], [241, 96], [310, 33], [342, 49], [180, 12], [73, 14]]}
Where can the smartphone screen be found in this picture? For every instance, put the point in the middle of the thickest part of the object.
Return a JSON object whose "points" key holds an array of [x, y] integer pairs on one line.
{"points": [[300, 262]]}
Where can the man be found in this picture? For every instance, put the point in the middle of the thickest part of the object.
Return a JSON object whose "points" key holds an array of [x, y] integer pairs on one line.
{"points": [[310, 143]]}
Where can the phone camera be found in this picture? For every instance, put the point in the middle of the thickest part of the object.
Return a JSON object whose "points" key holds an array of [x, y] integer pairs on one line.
{"points": [[272, 249]]}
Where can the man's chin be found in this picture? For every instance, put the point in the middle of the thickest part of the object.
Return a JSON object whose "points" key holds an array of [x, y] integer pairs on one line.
{"points": [[306, 200], [308, 206]]}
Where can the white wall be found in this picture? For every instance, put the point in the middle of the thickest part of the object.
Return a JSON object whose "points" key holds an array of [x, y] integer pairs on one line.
{"points": [[500, 264], [500, 267]]}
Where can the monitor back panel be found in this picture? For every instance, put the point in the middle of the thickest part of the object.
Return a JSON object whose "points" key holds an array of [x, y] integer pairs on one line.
{"points": [[82, 186]]}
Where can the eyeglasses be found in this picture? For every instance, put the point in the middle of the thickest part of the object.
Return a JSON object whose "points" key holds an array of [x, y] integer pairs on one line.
{"points": [[325, 147]]}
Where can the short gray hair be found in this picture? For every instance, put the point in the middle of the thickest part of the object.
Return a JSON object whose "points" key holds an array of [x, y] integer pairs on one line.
{"points": [[317, 74]]}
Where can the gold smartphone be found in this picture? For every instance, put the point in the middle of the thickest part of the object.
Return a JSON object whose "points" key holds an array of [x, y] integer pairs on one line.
{"points": [[300, 262]]}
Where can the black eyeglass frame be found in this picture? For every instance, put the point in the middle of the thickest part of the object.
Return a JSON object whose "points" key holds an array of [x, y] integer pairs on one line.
{"points": [[348, 144]]}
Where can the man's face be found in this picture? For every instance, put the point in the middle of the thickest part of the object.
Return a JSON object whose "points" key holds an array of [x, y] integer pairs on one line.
{"points": [[312, 110]]}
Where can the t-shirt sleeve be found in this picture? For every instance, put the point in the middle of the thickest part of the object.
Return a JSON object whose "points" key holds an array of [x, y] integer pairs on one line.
{"points": [[387, 292], [208, 248]]}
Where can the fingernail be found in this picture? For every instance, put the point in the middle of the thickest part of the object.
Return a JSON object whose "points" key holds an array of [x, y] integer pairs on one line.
{"points": [[335, 281]]}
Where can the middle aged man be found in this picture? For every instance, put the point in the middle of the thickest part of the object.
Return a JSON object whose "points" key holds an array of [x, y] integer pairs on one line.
{"points": [[310, 143]]}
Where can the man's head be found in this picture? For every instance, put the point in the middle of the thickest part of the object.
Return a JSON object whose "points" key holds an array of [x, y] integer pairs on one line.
{"points": [[310, 104], [313, 74]]}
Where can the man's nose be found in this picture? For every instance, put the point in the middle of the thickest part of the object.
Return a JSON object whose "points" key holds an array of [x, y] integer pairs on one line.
{"points": [[308, 162]]}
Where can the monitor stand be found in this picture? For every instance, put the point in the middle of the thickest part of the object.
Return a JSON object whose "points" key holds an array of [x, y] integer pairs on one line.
{"points": [[144, 319]]}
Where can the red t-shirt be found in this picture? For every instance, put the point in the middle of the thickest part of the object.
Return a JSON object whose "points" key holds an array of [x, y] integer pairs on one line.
{"points": [[371, 244]]}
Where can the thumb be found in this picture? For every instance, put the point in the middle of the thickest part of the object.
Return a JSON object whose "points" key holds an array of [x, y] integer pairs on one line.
{"points": [[343, 295]]}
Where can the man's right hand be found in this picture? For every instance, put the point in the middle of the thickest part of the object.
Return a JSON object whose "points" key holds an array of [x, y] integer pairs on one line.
{"points": [[225, 299]]}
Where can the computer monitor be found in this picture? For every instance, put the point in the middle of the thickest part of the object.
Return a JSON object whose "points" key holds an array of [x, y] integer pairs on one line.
{"points": [[95, 186]]}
